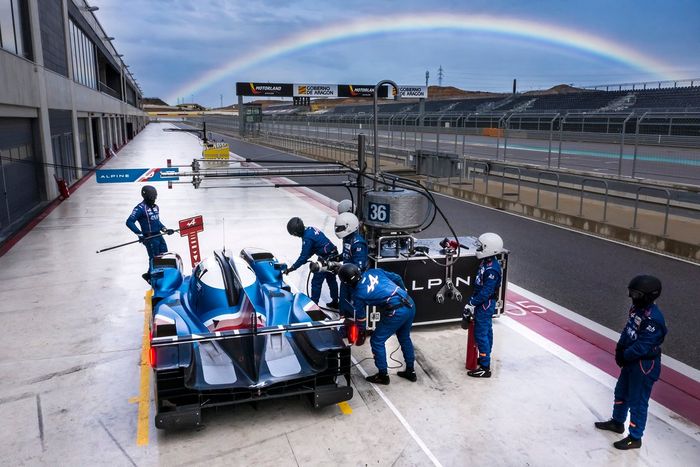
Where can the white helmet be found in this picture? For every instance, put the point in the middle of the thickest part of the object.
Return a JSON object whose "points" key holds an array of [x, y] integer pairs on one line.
{"points": [[344, 206], [490, 244], [345, 224]]}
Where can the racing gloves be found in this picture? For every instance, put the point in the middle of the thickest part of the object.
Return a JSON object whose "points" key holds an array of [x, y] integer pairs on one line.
{"points": [[467, 316]]}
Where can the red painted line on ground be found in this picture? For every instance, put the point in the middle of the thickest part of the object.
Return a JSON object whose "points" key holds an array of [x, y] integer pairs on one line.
{"points": [[15, 237], [673, 390]]}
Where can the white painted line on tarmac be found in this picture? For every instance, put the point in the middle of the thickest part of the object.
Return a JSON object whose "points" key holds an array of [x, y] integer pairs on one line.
{"points": [[400, 417], [658, 253], [668, 416], [685, 370]]}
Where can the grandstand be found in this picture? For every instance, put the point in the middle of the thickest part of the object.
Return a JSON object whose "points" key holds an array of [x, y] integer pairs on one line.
{"points": [[675, 99]]}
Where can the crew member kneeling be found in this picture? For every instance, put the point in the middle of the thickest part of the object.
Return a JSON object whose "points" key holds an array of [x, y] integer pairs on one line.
{"points": [[386, 291], [482, 304], [638, 354]]}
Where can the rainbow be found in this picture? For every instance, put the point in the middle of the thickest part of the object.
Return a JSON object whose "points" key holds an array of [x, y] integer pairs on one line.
{"points": [[417, 22]]}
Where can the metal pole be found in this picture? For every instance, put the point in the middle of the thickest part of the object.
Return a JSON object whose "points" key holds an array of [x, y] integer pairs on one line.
{"points": [[551, 131], [361, 162], [561, 136], [636, 144], [622, 143], [376, 110], [505, 136], [241, 117]]}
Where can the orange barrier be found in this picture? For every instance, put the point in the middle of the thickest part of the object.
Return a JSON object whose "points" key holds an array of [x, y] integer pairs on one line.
{"points": [[497, 132]]}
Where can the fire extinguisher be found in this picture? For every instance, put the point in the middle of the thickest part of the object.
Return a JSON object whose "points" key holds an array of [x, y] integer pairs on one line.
{"points": [[472, 351], [62, 187]]}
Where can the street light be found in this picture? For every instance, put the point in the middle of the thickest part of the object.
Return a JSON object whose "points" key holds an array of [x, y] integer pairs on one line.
{"points": [[376, 109], [108, 38], [92, 8]]}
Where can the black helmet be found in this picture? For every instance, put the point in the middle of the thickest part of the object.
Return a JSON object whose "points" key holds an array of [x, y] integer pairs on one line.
{"points": [[149, 194], [644, 290], [295, 227], [349, 274]]}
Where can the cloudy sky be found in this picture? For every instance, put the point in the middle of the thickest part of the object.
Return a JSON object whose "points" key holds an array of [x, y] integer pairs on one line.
{"points": [[197, 50]]}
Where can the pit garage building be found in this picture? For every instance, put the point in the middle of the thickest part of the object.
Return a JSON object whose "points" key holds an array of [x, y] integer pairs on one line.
{"points": [[66, 100]]}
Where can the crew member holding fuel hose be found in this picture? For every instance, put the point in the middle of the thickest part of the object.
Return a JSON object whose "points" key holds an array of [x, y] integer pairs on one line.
{"points": [[482, 304], [386, 291], [314, 242], [147, 214]]}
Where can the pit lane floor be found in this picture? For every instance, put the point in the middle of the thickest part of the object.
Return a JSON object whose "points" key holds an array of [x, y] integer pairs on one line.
{"points": [[73, 386]]}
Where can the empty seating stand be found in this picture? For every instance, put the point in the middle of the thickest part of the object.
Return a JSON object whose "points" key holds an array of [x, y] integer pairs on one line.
{"points": [[664, 99]]}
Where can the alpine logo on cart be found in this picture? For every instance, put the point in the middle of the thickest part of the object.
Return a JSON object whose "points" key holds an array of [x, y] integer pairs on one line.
{"points": [[189, 228], [157, 174]]}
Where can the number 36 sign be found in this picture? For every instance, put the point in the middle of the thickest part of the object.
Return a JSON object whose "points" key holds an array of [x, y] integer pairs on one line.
{"points": [[378, 212]]}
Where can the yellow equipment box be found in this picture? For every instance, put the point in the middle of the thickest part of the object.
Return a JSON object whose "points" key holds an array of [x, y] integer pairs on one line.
{"points": [[215, 151]]}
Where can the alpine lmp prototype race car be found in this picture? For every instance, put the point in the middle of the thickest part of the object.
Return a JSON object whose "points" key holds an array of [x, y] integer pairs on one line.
{"points": [[234, 332]]}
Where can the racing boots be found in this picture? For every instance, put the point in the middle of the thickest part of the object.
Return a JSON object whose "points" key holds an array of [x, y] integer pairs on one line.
{"points": [[480, 372], [628, 443], [334, 305], [379, 378], [611, 425], [408, 374]]}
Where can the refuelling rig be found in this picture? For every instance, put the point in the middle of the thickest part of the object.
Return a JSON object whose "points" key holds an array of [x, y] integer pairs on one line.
{"points": [[439, 272]]}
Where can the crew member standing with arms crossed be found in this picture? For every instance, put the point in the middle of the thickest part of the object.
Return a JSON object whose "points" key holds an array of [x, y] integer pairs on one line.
{"points": [[638, 354]]}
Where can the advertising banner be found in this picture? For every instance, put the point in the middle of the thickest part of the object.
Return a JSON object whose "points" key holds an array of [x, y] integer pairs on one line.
{"points": [[158, 174], [315, 90], [264, 89], [360, 90], [412, 92]]}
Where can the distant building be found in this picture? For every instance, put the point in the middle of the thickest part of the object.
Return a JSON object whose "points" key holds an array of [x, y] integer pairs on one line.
{"points": [[66, 98], [191, 107]]}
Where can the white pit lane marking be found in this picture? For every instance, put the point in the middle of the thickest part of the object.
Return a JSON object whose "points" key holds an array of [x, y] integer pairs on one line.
{"points": [[656, 409], [400, 417]]}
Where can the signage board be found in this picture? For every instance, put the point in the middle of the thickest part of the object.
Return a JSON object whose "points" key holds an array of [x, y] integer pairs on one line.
{"points": [[411, 92], [315, 90], [264, 89], [157, 174], [360, 90]]}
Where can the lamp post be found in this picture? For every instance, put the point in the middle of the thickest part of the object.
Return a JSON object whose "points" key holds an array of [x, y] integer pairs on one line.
{"points": [[374, 126]]}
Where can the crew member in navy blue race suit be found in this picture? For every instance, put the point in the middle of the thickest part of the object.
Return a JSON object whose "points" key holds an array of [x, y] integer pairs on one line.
{"points": [[354, 252], [147, 214], [386, 291], [638, 354], [314, 242], [482, 304]]}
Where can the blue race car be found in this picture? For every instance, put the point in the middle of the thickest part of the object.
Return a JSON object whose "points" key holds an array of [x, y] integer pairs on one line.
{"points": [[233, 332]]}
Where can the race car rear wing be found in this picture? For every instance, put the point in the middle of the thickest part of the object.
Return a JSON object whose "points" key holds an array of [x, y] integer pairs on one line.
{"points": [[237, 333]]}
